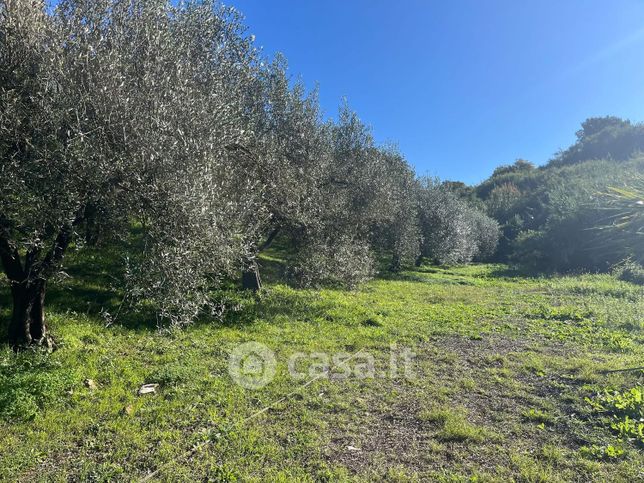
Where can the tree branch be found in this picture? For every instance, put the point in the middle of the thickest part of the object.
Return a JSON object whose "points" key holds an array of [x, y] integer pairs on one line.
{"points": [[10, 259], [271, 238], [53, 257]]}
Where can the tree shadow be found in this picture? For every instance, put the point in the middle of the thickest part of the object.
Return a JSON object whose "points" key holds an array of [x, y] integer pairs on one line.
{"points": [[273, 306], [513, 272], [95, 288], [92, 285], [273, 269], [416, 274], [518, 271]]}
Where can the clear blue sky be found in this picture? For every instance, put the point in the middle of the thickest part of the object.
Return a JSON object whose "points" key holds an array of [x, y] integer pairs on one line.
{"points": [[463, 86]]}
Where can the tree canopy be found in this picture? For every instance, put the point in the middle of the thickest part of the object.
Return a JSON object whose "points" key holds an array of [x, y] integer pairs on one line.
{"points": [[165, 117]]}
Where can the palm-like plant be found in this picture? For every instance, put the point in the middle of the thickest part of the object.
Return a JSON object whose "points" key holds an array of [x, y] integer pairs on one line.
{"points": [[629, 202], [625, 221]]}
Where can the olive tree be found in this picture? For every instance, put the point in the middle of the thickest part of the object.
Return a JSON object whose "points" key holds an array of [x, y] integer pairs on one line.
{"points": [[330, 231], [163, 115], [289, 155], [329, 190], [37, 213], [397, 231], [366, 206], [486, 232], [453, 232], [129, 106]]}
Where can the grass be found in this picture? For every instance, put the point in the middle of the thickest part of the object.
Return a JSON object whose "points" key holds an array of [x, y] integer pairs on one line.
{"points": [[454, 425], [509, 382]]}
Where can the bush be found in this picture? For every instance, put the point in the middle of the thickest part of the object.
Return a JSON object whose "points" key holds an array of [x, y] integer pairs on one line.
{"points": [[582, 217], [527, 249], [630, 271]]}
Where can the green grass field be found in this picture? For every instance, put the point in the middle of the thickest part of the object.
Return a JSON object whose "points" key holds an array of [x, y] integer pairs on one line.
{"points": [[508, 381]]}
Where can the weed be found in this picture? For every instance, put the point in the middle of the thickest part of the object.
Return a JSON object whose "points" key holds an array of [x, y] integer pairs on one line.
{"points": [[606, 453], [454, 425], [623, 411], [538, 416]]}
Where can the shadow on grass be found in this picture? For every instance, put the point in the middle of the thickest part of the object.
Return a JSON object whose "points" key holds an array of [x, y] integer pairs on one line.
{"points": [[273, 306], [273, 269], [95, 286], [514, 272], [92, 283], [518, 271], [418, 274]]}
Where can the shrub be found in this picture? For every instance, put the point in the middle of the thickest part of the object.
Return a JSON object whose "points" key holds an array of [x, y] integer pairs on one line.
{"points": [[585, 216], [630, 271]]}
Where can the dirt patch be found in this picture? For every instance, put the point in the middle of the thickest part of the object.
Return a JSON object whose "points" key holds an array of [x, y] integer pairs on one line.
{"points": [[484, 377]]}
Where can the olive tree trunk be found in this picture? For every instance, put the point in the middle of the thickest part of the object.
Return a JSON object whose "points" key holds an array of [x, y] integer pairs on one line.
{"points": [[251, 280], [250, 277], [27, 325], [28, 282]]}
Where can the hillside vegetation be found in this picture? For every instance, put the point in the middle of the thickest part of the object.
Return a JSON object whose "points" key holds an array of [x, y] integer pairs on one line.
{"points": [[584, 210]]}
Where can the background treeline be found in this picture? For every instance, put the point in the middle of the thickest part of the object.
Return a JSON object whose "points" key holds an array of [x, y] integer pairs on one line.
{"points": [[164, 117], [584, 210]]}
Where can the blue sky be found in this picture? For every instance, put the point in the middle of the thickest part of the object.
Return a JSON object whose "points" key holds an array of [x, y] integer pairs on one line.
{"points": [[463, 86]]}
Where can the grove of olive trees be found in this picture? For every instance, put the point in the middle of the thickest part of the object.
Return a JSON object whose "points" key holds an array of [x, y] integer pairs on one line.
{"points": [[165, 117]]}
